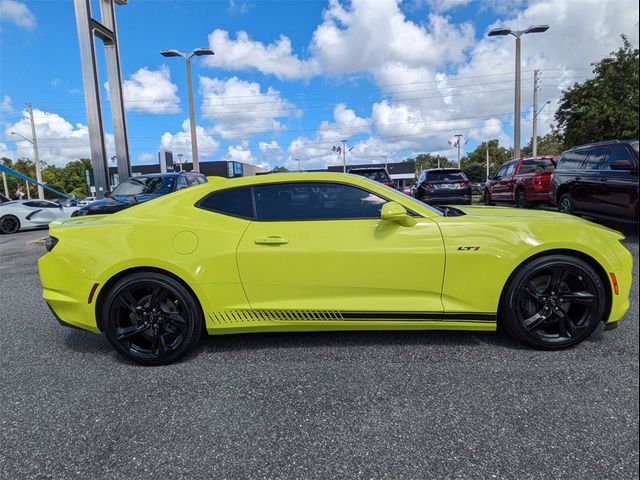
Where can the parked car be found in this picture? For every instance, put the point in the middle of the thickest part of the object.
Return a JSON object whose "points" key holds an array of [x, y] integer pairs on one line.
{"points": [[522, 181], [320, 251], [440, 186], [17, 215], [3, 198], [599, 180], [140, 189], [376, 174]]}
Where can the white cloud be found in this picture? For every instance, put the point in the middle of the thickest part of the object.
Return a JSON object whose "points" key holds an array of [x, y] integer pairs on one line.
{"points": [[150, 91], [239, 108], [59, 141], [239, 153], [243, 53], [180, 142], [147, 158], [5, 104], [441, 6], [17, 13], [5, 152]]}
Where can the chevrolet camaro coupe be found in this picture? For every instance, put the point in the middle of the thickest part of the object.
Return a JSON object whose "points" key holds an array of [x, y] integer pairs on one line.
{"points": [[328, 251]]}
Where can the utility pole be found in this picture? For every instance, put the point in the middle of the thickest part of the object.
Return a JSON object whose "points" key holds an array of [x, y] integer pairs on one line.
{"points": [[344, 156], [385, 161], [458, 139], [34, 142], [180, 160], [6, 188], [534, 139], [298, 160], [487, 144]]}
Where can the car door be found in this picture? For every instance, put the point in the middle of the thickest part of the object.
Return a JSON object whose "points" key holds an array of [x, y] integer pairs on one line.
{"points": [[493, 184], [318, 246], [42, 212], [502, 184], [617, 191], [588, 185]]}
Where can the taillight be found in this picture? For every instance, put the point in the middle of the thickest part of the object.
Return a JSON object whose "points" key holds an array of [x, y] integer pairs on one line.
{"points": [[464, 184], [428, 185], [389, 184], [50, 242]]}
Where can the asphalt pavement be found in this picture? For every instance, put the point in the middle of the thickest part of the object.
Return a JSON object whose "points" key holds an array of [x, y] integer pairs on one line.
{"points": [[379, 405]]}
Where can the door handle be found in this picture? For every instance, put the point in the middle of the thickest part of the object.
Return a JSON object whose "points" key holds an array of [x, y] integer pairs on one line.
{"points": [[272, 240]]}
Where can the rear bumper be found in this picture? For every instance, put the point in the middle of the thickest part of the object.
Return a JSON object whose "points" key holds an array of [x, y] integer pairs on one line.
{"points": [[449, 200], [538, 196], [66, 292]]}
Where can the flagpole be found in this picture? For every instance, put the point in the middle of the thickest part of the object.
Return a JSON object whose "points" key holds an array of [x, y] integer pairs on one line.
{"points": [[344, 156]]}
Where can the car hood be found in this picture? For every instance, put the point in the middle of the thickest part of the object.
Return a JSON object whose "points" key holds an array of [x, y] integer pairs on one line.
{"points": [[495, 214]]}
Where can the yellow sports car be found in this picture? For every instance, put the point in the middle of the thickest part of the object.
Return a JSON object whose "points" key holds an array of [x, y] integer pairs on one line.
{"points": [[328, 251]]}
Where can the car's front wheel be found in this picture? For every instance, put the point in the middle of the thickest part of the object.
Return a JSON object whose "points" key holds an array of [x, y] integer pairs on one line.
{"points": [[151, 318], [487, 197], [553, 302], [565, 204], [9, 224]]}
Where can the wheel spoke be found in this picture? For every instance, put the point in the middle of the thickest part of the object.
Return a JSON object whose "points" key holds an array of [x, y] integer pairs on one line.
{"points": [[557, 277], [127, 299], [562, 325], [158, 296], [583, 297], [534, 321], [530, 290], [174, 318], [158, 346], [123, 333]]}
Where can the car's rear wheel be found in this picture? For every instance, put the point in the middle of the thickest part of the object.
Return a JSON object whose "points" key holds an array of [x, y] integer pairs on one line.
{"points": [[487, 197], [9, 224], [565, 204], [151, 318], [553, 302], [521, 199]]}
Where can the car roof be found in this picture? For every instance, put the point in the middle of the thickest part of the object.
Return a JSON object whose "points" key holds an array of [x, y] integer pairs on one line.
{"points": [[601, 144], [443, 170], [366, 169], [168, 174]]}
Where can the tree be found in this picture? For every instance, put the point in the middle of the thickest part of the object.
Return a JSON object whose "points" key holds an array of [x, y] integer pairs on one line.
{"points": [[474, 164], [606, 106], [427, 160], [281, 169], [550, 144]]}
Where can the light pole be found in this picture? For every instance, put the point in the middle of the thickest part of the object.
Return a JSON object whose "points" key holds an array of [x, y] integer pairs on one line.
{"points": [[192, 117], [516, 109], [534, 140], [36, 156], [299, 167]]}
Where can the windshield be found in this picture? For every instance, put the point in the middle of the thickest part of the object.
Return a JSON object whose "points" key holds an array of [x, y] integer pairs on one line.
{"points": [[375, 175], [139, 186], [446, 176]]}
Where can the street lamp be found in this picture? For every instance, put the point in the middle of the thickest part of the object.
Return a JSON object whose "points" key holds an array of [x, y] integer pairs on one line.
{"points": [[36, 156], [517, 34], [534, 138], [192, 117]]}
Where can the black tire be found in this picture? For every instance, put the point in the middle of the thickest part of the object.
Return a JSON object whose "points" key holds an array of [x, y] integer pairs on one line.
{"points": [[487, 197], [553, 302], [151, 319], [565, 204], [521, 199], [9, 224]]}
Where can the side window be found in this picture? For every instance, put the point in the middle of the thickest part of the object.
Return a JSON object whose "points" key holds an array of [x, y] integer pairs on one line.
{"points": [[510, 170], [619, 153], [422, 177], [193, 181], [32, 204], [527, 166], [201, 179], [595, 158], [571, 160], [233, 201], [49, 205], [315, 201], [502, 171], [182, 183]]}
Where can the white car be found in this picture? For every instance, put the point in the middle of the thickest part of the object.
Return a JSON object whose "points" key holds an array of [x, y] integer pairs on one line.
{"points": [[28, 214]]}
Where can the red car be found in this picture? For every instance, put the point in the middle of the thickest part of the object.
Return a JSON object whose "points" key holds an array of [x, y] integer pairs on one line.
{"points": [[522, 181]]}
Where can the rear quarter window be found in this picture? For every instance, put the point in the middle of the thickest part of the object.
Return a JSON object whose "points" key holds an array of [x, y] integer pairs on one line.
{"points": [[571, 160], [235, 202]]}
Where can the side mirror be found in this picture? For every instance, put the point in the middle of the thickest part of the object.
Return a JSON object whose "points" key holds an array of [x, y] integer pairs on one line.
{"points": [[621, 165], [395, 212]]}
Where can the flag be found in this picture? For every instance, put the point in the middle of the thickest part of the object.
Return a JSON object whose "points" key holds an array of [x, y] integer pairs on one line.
{"points": [[350, 149], [336, 149]]}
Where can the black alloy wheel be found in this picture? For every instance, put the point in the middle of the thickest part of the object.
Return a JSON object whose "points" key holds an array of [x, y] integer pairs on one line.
{"points": [[9, 224], [565, 204], [553, 302], [521, 199], [151, 318]]}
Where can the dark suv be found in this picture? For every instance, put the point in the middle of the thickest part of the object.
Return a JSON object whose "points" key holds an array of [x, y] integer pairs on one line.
{"points": [[443, 186], [599, 180], [378, 174], [140, 189]]}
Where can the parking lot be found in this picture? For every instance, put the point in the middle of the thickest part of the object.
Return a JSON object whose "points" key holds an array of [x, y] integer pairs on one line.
{"points": [[397, 405]]}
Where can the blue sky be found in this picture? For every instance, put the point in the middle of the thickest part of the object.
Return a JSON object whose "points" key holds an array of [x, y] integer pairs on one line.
{"points": [[290, 79]]}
